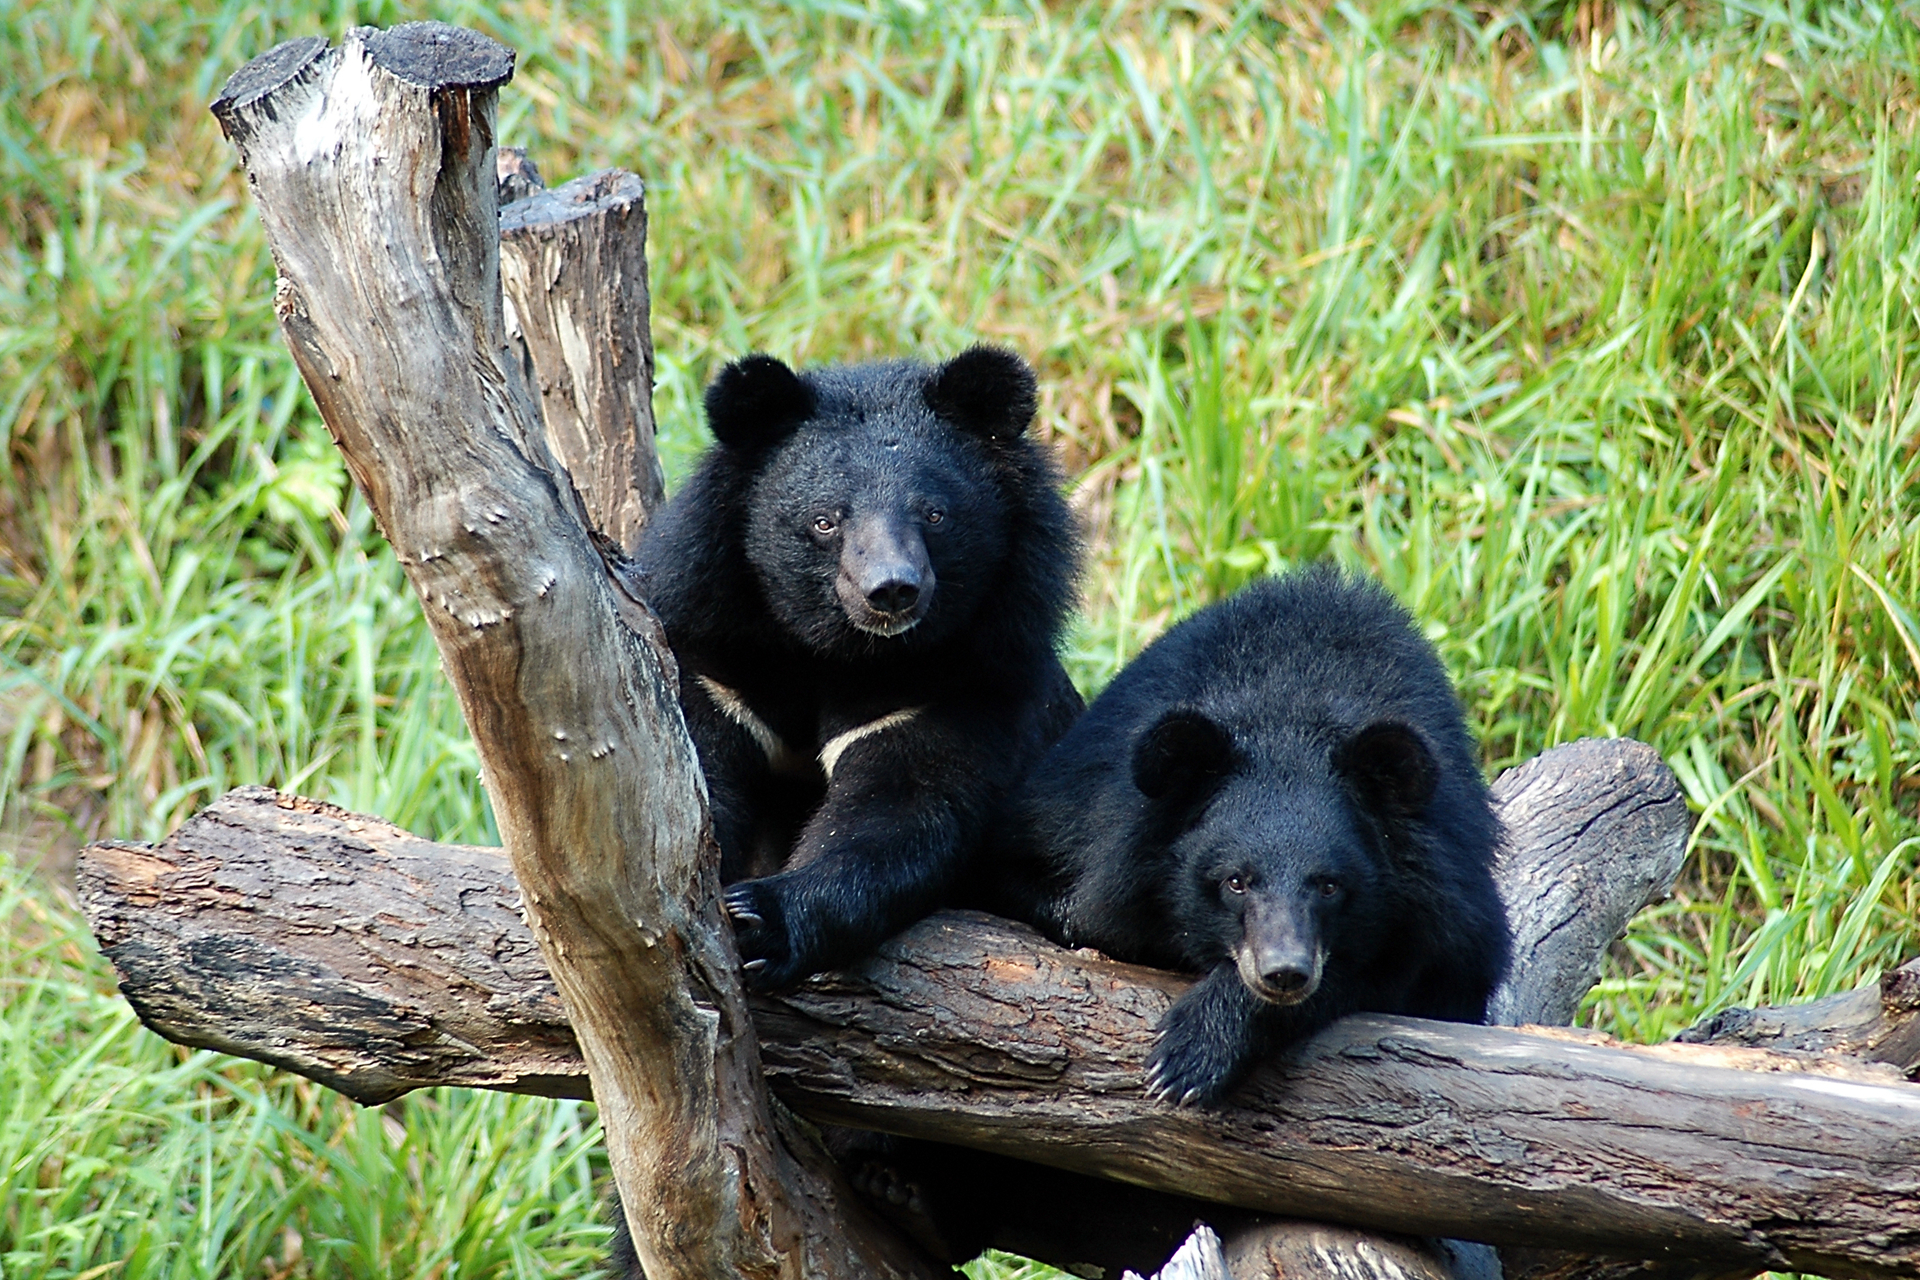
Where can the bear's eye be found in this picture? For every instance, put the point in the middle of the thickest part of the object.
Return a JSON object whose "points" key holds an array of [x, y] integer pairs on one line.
{"points": [[935, 515], [1235, 884], [1328, 888], [824, 524]]}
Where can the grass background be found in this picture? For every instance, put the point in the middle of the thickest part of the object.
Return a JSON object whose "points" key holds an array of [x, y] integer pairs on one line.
{"points": [[1590, 328]]}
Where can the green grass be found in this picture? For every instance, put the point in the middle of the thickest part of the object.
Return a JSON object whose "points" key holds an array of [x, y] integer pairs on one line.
{"points": [[121, 1155], [1593, 331]]}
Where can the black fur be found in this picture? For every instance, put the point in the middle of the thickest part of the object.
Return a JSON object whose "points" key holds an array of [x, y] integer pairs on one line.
{"points": [[862, 542], [1280, 795]]}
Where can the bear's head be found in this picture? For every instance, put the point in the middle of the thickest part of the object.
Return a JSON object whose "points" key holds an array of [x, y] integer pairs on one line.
{"points": [[1280, 862], [878, 507]]}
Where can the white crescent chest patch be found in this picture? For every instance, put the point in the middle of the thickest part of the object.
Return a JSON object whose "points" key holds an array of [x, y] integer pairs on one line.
{"points": [[783, 758], [838, 744]]}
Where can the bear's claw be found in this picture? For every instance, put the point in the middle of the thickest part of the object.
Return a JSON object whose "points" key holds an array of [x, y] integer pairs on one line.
{"points": [[1186, 1070], [760, 931], [739, 905]]}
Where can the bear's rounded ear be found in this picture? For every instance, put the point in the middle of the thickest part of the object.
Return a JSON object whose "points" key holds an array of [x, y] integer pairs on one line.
{"points": [[1183, 758], [985, 390], [755, 402], [1390, 765]]}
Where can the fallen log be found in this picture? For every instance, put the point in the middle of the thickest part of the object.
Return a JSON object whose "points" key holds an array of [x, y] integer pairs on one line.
{"points": [[334, 945], [340, 947]]}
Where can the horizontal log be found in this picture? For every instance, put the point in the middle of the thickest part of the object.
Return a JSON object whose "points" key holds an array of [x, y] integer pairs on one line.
{"points": [[1877, 1025], [329, 943], [333, 945], [1524, 1137]]}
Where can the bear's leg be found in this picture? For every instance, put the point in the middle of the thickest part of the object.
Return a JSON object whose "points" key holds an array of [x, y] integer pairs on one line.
{"points": [[905, 810], [1207, 1040], [873, 881], [1217, 1031]]}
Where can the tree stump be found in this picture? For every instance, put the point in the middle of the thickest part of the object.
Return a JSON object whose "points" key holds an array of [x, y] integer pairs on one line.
{"points": [[373, 166]]}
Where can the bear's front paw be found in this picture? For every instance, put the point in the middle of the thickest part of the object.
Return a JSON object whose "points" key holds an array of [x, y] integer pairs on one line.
{"points": [[1192, 1065], [760, 931]]}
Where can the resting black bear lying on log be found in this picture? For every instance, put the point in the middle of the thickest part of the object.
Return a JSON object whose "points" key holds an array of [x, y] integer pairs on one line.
{"points": [[1281, 795]]}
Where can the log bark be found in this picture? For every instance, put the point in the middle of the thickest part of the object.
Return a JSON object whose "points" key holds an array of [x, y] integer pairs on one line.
{"points": [[373, 169], [412, 968], [1613, 805], [1597, 829], [974, 1031], [573, 264], [1878, 1024]]}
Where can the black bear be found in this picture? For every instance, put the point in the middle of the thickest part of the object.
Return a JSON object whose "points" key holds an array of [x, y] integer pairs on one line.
{"points": [[1281, 795], [863, 583]]}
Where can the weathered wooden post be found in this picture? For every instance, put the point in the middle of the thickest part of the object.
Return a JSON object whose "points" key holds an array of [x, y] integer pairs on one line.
{"points": [[373, 167]]}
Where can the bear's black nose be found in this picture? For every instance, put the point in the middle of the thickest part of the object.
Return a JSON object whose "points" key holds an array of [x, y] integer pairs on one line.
{"points": [[1287, 981], [895, 595]]}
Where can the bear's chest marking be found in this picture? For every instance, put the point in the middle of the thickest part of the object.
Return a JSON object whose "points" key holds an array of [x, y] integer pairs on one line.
{"points": [[781, 757], [838, 744]]}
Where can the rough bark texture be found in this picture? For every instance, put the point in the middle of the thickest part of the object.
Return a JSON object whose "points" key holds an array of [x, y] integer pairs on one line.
{"points": [[1880, 1026], [373, 168], [336, 946], [573, 263], [415, 970], [1320, 1251], [975, 1031], [1597, 830], [1480, 1133]]}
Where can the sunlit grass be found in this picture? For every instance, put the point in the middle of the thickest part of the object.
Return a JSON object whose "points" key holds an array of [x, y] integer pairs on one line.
{"points": [[116, 1147], [1590, 331]]}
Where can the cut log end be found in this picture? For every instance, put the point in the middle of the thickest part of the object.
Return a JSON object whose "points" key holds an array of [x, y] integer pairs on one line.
{"points": [[434, 55], [543, 209], [262, 77]]}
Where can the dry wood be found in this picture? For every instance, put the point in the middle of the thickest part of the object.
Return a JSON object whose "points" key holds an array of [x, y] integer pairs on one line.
{"points": [[1597, 829], [573, 264], [1877, 1025], [1201, 1258], [373, 169], [387, 930], [974, 1031]]}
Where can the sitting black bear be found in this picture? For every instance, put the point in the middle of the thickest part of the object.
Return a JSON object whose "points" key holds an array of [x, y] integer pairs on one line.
{"points": [[1281, 795], [863, 583]]}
